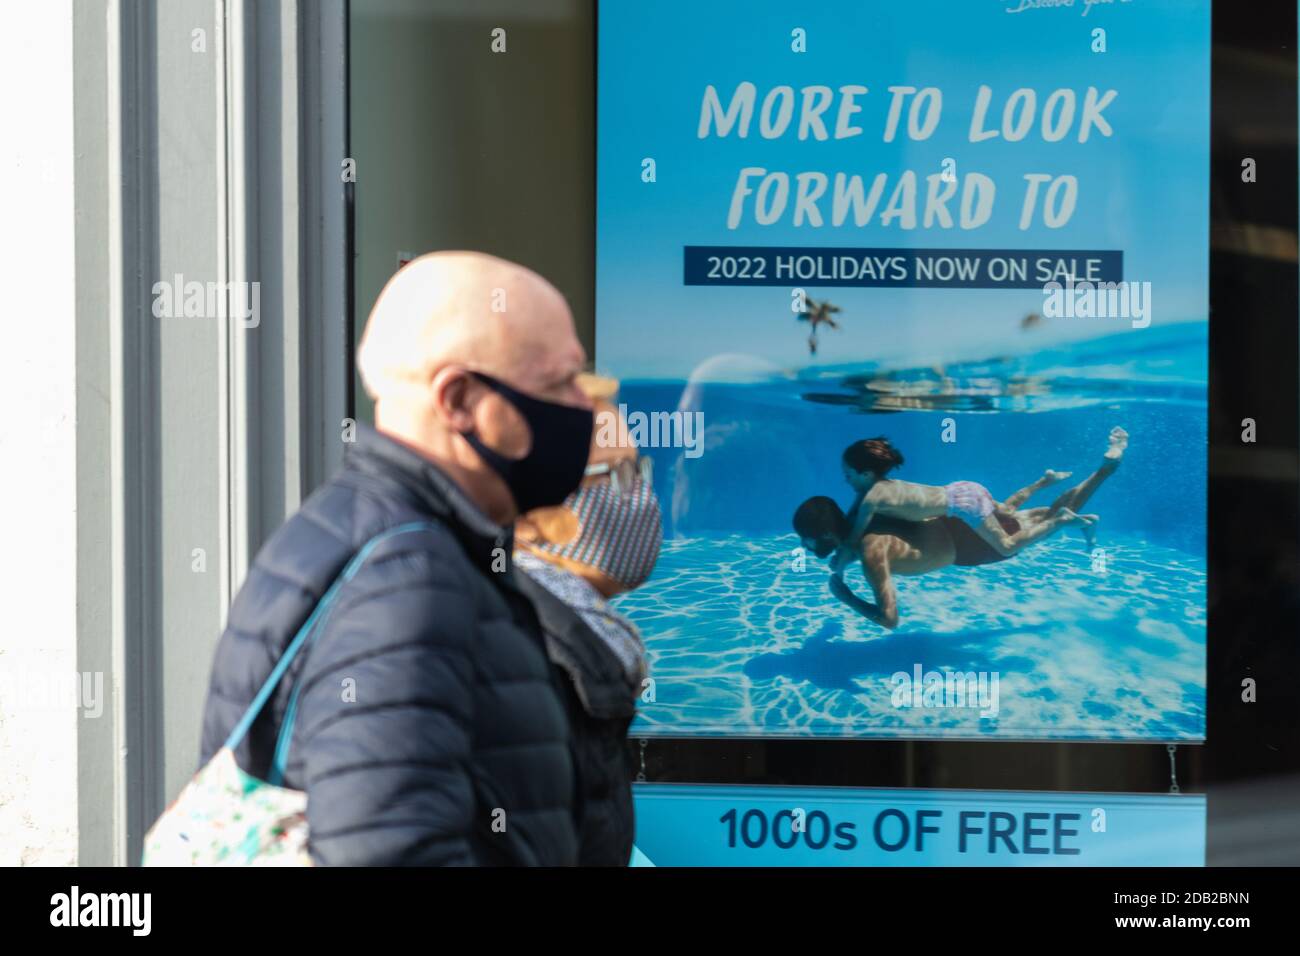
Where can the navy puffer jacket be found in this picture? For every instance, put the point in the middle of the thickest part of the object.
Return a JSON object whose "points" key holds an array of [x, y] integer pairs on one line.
{"points": [[601, 702], [429, 728]]}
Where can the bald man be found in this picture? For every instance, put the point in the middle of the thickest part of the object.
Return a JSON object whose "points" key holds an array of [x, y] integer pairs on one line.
{"points": [[427, 729]]}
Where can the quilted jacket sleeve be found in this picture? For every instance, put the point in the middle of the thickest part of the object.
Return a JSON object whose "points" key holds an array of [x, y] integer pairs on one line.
{"points": [[383, 736]]}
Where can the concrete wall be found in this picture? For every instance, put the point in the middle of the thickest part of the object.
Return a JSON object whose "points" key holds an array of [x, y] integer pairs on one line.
{"points": [[149, 144], [38, 731]]}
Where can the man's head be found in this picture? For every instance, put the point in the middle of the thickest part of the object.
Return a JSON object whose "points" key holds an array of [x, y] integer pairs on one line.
{"points": [[820, 525], [443, 318], [867, 461]]}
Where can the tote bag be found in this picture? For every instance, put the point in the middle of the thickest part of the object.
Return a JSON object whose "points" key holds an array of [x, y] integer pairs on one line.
{"points": [[226, 817]]}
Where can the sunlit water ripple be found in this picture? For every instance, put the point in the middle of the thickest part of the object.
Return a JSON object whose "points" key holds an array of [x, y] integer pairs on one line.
{"points": [[741, 643]]}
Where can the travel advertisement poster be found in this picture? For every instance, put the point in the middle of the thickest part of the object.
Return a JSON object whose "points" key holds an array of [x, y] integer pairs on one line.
{"points": [[915, 335]]}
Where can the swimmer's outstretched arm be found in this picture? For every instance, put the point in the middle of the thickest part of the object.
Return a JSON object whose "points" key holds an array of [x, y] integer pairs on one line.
{"points": [[868, 610], [851, 548], [861, 518]]}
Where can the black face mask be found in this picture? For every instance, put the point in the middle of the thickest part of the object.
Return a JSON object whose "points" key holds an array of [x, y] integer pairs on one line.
{"points": [[553, 467]]}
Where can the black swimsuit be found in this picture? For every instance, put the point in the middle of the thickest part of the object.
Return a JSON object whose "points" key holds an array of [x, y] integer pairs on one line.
{"points": [[969, 549]]}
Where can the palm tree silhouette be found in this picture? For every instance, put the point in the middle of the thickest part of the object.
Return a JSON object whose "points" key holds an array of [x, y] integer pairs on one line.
{"points": [[817, 313]]}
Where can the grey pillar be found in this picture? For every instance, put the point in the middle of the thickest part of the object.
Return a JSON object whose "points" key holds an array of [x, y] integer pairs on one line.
{"points": [[209, 135]]}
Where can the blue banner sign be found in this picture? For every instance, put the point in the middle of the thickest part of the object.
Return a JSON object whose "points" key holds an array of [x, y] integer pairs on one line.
{"points": [[899, 268], [687, 825]]}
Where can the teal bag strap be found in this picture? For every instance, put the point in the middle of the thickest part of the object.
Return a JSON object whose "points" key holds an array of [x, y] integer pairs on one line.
{"points": [[300, 639]]}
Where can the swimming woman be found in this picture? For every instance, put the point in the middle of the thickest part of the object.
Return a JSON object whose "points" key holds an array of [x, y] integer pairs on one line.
{"points": [[894, 546], [867, 463]]}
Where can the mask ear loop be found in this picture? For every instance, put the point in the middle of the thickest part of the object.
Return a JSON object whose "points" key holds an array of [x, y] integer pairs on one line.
{"points": [[643, 471]]}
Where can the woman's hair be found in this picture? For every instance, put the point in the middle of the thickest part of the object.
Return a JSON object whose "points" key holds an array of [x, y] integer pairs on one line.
{"points": [[598, 388], [820, 517], [875, 455]]}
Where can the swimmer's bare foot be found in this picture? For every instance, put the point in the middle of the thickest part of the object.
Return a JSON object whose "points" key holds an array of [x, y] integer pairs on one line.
{"points": [[1118, 443], [1051, 477], [1088, 525], [1066, 516]]}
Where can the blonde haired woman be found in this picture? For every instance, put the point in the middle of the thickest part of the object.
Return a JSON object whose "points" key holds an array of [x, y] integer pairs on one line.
{"points": [[601, 541]]}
